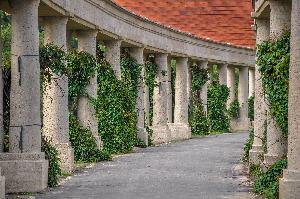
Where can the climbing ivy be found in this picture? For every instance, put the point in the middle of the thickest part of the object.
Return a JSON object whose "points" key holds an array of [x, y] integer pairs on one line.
{"points": [[233, 109], [273, 58], [251, 108], [267, 184], [248, 146], [84, 143], [217, 117], [51, 154], [115, 107], [198, 122], [82, 67]]}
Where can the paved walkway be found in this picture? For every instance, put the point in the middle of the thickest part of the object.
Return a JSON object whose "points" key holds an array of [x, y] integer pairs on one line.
{"points": [[200, 168]]}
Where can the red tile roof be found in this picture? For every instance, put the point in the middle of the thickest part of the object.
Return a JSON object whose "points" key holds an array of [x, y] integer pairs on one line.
{"points": [[225, 21]]}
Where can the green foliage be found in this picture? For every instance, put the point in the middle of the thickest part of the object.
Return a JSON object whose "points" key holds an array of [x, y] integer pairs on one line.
{"points": [[151, 69], [51, 154], [233, 110], [217, 97], [115, 107], [198, 121], [255, 170], [131, 72], [248, 145], [52, 61], [82, 67], [199, 78], [84, 143], [251, 108], [274, 59], [5, 34], [267, 183]]}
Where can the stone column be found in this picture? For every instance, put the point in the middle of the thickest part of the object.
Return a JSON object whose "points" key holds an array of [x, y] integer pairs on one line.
{"points": [[180, 129], [86, 112], [231, 84], [160, 117], [222, 70], [243, 122], [113, 55], [251, 82], [138, 55], [2, 178], [257, 151], [146, 99], [289, 185], [25, 167], [169, 94], [203, 94], [280, 17], [55, 98]]}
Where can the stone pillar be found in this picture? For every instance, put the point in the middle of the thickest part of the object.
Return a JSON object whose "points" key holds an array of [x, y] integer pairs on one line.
{"points": [[180, 129], [86, 112], [2, 178], [113, 55], [146, 99], [160, 117], [203, 94], [257, 151], [55, 98], [231, 84], [25, 167], [280, 17], [251, 82], [289, 185], [242, 123], [170, 93], [222, 70], [138, 55], [189, 86]]}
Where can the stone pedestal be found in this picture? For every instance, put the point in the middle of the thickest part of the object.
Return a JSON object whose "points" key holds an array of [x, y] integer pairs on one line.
{"points": [[86, 111], [142, 135], [181, 123], [160, 129], [257, 151], [179, 131], [242, 123], [289, 185], [276, 144], [55, 98], [25, 167], [24, 172], [113, 55]]}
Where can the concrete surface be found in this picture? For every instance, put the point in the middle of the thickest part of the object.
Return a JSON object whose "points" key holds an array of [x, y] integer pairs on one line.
{"points": [[200, 168]]}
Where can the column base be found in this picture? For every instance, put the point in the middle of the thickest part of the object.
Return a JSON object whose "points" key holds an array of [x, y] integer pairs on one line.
{"points": [[66, 155], [24, 172], [179, 131], [269, 160], [289, 185], [161, 134], [256, 155], [142, 135], [98, 141], [239, 125]]}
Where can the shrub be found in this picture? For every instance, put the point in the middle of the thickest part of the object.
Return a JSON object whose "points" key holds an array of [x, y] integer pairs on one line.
{"points": [[248, 145], [251, 108], [267, 183], [233, 110]]}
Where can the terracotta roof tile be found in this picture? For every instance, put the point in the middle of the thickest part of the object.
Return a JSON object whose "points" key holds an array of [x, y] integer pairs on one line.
{"points": [[224, 21]]}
